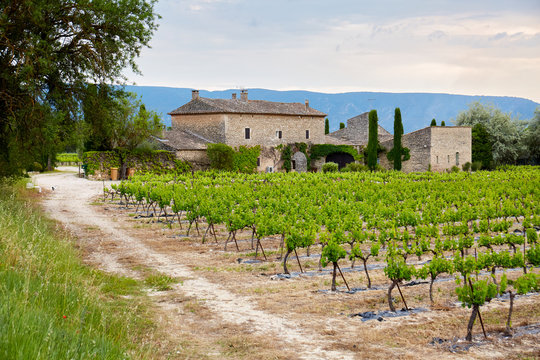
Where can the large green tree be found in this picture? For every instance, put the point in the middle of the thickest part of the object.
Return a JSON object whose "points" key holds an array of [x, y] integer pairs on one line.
{"points": [[398, 152], [49, 51], [506, 134], [532, 139], [482, 146], [373, 140]]}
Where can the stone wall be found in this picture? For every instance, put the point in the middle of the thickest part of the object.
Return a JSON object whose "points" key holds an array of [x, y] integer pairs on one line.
{"points": [[209, 126], [446, 142], [434, 147], [197, 158], [263, 129], [418, 143]]}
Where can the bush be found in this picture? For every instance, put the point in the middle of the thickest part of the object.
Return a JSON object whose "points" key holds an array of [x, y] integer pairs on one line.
{"points": [[330, 167], [476, 165], [36, 167], [466, 166], [454, 169], [221, 156], [354, 167]]}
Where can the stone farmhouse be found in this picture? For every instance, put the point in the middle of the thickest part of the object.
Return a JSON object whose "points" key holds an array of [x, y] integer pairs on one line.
{"points": [[240, 121], [436, 147]]}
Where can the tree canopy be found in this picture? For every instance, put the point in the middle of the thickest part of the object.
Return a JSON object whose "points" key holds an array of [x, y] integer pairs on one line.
{"points": [[49, 51], [506, 133], [373, 140]]}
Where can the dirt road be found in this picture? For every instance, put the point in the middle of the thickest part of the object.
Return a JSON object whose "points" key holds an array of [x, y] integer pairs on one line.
{"points": [[70, 204]]}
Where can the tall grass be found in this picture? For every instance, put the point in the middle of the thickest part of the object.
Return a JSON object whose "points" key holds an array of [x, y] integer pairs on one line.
{"points": [[54, 307]]}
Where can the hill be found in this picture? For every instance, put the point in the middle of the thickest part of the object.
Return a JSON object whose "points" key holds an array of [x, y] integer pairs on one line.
{"points": [[417, 109]]}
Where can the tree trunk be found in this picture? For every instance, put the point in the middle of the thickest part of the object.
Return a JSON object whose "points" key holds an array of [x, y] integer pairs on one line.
{"points": [[509, 330], [334, 277], [367, 274], [390, 288], [285, 270], [471, 323], [431, 289]]}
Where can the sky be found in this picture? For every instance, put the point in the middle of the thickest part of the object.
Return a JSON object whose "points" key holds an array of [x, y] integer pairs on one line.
{"points": [[474, 47]]}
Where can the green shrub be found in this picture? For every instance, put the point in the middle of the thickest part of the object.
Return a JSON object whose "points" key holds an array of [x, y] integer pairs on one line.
{"points": [[330, 167], [466, 166], [221, 156], [476, 165], [454, 169], [67, 157], [354, 167], [245, 159]]}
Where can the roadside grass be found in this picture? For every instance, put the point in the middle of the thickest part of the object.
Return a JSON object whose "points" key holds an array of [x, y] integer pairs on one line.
{"points": [[54, 307]]}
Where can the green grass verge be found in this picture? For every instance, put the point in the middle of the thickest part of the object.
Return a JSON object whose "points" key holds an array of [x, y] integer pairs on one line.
{"points": [[54, 307]]}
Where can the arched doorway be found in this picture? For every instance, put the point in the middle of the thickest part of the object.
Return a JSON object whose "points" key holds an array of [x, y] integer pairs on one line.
{"points": [[299, 162], [340, 158]]}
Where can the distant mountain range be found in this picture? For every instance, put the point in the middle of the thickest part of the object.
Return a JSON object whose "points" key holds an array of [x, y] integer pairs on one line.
{"points": [[417, 109]]}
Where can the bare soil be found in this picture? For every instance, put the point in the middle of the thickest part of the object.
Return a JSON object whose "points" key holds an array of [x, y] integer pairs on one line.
{"points": [[226, 305]]}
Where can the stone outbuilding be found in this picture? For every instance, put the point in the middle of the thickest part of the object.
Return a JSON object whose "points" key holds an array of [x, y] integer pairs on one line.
{"points": [[438, 148]]}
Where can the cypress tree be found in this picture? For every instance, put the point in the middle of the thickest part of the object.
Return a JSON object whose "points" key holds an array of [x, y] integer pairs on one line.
{"points": [[341, 125], [398, 132], [326, 126], [373, 141], [443, 123], [433, 123]]}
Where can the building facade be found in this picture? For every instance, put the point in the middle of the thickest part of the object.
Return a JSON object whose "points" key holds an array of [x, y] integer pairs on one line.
{"points": [[240, 121]]}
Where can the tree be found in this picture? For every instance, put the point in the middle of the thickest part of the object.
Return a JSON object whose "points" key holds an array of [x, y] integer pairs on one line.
{"points": [[326, 126], [342, 125], [506, 134], [443, 123], [48, 52], [433, 123], [532, 139], [373, 141], [482, 146], [398, 152]]}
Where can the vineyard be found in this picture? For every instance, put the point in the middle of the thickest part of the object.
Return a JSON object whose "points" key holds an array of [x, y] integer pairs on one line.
{"points": [[475, 231]]}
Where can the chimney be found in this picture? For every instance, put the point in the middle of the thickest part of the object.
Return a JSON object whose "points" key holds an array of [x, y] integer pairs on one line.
{"points": [[307, 104], [194, 94], [234, 96], [244, 95]]}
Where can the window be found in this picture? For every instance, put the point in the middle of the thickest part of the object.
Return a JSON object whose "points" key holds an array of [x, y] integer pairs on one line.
{"points": [[247, 133], [457, 158], [437, 159], [279, 134], [293, 164], [448, 159], [307, 134], [258, 161]]}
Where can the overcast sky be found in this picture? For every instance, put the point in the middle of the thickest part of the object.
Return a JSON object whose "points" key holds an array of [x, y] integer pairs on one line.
{"points": [[474, 47]]}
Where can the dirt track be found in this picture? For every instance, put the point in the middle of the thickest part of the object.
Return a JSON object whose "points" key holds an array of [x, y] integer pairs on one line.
{"points": [[70, 203]]}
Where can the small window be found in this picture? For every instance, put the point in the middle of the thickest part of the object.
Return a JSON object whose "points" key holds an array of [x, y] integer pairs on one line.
{"points": [[448, 159], [307, 134], [457, 158], [258, 161], [279, 134], [437, 159], [293, 164], [247, 133]]}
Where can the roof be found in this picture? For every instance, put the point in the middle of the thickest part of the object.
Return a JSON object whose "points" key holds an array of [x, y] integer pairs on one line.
{"points": [[357, 131], [237, 106], [336, 141], [183, 140]]}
